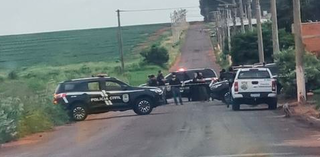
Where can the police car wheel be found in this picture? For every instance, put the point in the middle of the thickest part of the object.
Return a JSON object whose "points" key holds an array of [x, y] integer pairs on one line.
{"points": [[143, 106], [79, 112]]}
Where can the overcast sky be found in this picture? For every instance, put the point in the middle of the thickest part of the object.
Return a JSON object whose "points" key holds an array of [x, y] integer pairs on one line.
{"points": [[30, 16]]}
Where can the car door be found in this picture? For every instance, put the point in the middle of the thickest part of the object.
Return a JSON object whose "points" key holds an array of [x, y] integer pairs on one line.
{"points": [[96, 98], [115, 93]]}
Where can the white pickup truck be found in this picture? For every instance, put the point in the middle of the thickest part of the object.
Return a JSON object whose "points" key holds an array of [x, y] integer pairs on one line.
{"points": [[254, 86]]}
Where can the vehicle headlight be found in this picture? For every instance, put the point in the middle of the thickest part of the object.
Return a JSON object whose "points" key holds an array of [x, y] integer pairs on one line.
{"points": [[158, 91]]}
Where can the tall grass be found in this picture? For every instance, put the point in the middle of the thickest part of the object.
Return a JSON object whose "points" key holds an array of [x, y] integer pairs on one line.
{"points": [[33, 86]]}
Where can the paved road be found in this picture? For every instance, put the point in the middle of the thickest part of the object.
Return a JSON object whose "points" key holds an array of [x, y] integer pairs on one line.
{"points": [[197, 51], [192, 130]]}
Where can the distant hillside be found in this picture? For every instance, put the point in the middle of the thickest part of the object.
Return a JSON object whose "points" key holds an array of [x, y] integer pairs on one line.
{"points": [[67, 47]]}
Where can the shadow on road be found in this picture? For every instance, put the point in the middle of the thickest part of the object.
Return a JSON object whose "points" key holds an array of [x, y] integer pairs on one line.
{"points": [[123, 116], [254, 109]]}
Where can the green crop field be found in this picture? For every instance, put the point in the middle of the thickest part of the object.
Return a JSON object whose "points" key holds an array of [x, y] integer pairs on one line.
{"points": [[71, 47]]}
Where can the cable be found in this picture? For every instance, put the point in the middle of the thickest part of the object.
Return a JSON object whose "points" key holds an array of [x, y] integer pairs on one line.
{"points": [[142, 10]]}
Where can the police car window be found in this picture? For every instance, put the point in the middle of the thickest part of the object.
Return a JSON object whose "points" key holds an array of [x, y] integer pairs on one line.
{"points": [[69, 87], [112, 86], [257, 74], [93, 86], [208, 73], [180, 75]]}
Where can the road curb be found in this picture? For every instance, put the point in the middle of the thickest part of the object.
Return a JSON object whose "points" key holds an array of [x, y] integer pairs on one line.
{"points": [[309, 119]]}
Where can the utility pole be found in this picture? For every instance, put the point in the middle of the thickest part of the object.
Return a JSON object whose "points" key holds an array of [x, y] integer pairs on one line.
{"points": [[222, 23], [228, 29], [234, 17], [249, 2], [217, 23], [120, 42], [207, 14], [241, 16], [301, 90], [259, 31], [275, 35]]}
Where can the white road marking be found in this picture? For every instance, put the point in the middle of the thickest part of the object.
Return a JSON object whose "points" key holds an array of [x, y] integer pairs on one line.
{"points": [[254, 155]]}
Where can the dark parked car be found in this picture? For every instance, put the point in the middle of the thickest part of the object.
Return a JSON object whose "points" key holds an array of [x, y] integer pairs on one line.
{"points": [[186, 76], [93, 95]]}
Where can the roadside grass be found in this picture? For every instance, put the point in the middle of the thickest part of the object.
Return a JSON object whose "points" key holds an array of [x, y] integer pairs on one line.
{"points": [[26, 91], [317, 98]]}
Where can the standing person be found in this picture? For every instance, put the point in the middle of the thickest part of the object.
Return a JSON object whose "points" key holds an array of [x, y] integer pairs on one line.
{"points": [[230, 75], [152, 81], [194, 90], [175, 84], [202, 88], [222, 75], [162, 85]]}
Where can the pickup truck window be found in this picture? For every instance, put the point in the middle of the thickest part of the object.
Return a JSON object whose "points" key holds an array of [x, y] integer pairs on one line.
{"points": [[256, 74]]}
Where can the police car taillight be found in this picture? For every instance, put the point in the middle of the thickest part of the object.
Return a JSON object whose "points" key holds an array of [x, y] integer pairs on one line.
{"points": [[236, 86], [58, 96], [61, 95]]}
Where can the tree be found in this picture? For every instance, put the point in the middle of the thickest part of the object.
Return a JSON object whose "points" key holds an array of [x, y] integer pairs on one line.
{"points": [[156, 55], [287, 75], [309, 11], [245, 47]]}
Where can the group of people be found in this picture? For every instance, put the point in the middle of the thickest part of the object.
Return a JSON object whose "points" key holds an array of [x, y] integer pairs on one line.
{"points": [[227, 75], [198, 90]]}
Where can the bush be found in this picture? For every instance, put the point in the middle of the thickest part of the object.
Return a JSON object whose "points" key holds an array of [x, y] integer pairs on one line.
{"points": [[156, 55], [287, 76], [1, 79], [35, 114], [245, 47], [40, 115], [12, 75], [10, 111]]}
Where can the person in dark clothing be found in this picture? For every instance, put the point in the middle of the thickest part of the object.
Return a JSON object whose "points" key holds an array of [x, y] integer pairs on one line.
{"points": [[160, 79], [222, 75], [152, 81], [175, 84], [194, 90], [230, 75], [162, 85], [203, 95]]}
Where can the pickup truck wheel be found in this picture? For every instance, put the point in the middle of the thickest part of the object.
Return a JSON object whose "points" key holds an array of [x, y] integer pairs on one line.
{"points": [[235, 106], [78, 112], [143, 106], [273, 104]]}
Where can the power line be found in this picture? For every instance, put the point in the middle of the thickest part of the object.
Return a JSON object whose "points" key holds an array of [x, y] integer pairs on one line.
{"points": [[158, 9]]}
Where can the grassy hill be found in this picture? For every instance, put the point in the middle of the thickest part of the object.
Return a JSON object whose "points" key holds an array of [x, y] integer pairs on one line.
{"points": [[71, 47]]}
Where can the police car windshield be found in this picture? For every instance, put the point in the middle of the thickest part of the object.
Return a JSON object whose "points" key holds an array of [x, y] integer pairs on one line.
{"points": [[254, 74]]}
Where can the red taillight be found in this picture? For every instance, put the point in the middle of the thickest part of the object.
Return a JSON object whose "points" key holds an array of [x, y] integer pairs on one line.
{"points": [[58, 96], [274, 85], [236, 86], [61, 95]]}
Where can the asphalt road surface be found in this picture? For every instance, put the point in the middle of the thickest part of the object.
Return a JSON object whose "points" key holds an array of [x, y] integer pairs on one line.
{"points": [[197, 50], [197, 129]]}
